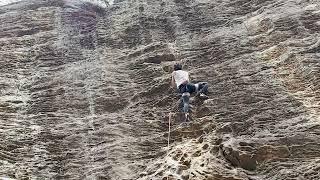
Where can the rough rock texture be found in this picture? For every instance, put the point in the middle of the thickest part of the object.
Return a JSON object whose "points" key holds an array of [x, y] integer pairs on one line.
{"points": [[84, 90]]}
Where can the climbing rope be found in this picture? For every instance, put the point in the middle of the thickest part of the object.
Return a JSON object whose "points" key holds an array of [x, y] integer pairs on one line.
{"points": [[169, 131]]}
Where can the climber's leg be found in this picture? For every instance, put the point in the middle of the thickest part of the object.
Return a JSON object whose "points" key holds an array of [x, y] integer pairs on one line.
{"points": [[185, 99], [202, 90], [203, 87]]}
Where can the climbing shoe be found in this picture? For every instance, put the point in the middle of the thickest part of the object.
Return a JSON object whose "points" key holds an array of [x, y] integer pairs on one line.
{"points": [[203, 96], [186, 117]]}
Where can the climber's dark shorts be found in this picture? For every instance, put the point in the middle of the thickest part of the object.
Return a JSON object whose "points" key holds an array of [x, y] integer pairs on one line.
{"points": [[189, 87]]}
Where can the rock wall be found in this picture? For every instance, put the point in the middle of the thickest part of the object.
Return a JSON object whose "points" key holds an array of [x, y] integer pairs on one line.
{"points": [[85, 89]]}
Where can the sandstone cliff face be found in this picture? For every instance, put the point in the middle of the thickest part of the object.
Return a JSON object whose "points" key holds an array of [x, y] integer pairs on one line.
{"points": [[84, 90]]}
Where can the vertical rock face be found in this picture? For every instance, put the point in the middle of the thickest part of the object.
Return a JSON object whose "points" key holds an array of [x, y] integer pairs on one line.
{"points": [[84, 89]]}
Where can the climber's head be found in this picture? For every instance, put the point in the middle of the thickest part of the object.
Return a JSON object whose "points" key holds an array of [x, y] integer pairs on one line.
{"points": [[177, 67]]}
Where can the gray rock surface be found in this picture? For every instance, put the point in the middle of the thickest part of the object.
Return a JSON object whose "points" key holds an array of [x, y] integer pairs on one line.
{"points": [[84, 90]]}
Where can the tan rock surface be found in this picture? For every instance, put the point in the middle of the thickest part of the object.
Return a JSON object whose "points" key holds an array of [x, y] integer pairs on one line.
{"points": [[84, 90]]}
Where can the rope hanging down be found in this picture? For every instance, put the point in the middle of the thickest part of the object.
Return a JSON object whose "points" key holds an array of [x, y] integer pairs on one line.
{"points": [[169, 131]]}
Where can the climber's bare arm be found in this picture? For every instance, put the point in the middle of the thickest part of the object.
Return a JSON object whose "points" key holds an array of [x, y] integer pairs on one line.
{"points": [[173, 83]]}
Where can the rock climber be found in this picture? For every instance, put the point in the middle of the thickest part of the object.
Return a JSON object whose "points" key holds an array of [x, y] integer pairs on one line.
{"points": [[180, 79]]}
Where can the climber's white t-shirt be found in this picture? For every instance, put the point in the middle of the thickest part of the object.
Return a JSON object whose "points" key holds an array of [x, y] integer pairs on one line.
{"points": [[180, 76]]}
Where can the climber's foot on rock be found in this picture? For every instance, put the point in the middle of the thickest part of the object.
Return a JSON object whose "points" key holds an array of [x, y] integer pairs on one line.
{"points": [[187, 117], [203, 96]]}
